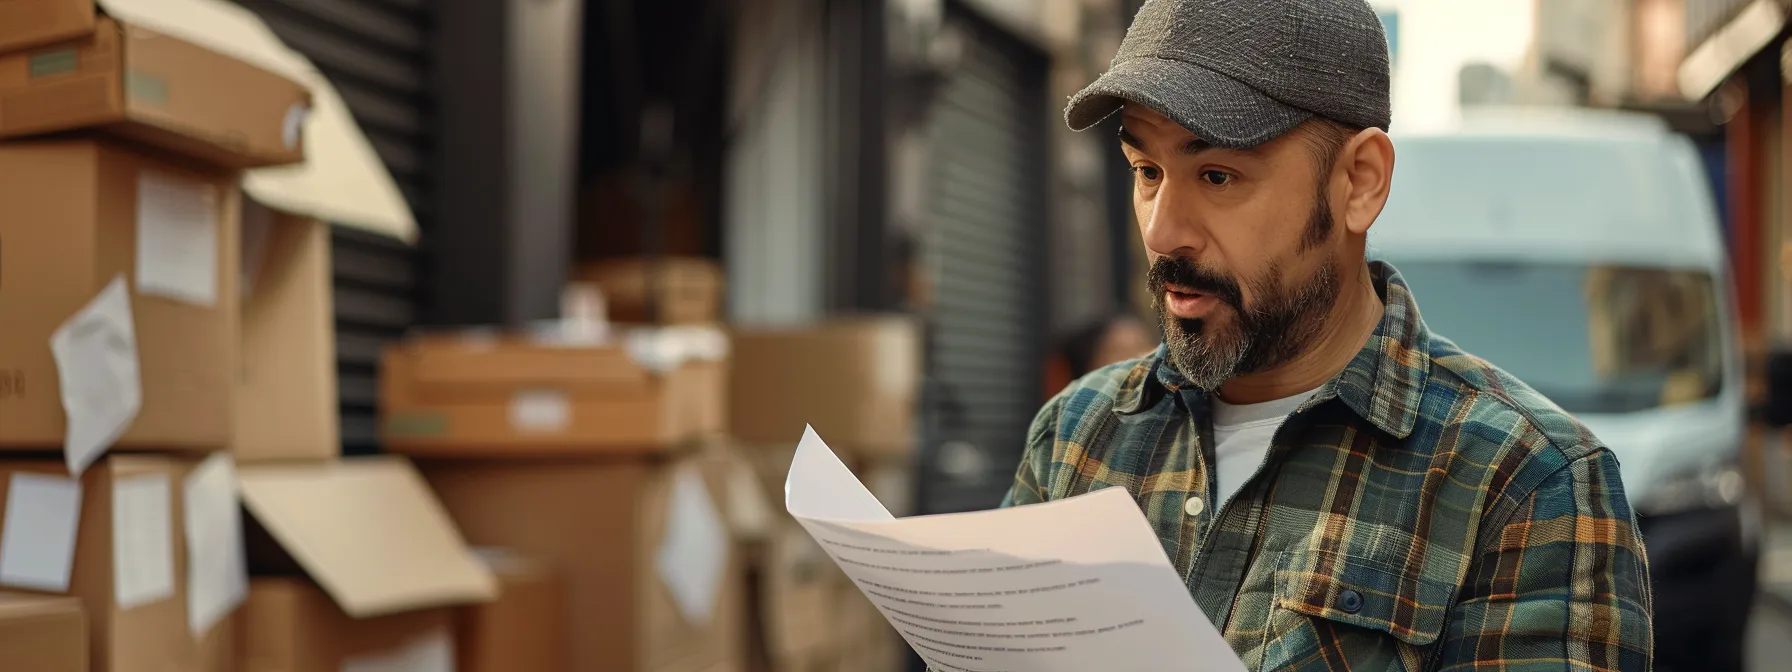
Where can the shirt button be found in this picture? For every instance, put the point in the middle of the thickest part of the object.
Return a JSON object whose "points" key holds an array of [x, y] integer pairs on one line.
{"points": [[1194, 506], [1350, 601]]}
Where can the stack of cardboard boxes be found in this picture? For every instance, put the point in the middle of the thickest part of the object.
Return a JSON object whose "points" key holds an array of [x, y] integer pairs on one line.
{"points": [[168, 358], [857, 382], [586, 444]]}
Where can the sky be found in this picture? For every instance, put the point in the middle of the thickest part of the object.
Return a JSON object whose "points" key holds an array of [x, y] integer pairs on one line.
{"points": [[1437, 37]]}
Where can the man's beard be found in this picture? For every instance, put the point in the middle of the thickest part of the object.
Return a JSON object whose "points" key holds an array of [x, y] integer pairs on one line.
{"points": [[1279, 326]]}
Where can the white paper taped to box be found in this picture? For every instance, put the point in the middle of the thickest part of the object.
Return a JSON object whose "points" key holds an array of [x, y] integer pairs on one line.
{"points": [[96, 365], [142, 540]]}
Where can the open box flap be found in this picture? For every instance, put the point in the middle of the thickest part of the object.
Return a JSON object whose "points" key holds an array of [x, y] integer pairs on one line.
{"points": [[490, 357], [519, 364], [342, 180], [369, 531]]}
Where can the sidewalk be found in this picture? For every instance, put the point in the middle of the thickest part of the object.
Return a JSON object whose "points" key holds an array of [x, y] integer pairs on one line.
{"points": [[1776, 533], [1776, 565]]}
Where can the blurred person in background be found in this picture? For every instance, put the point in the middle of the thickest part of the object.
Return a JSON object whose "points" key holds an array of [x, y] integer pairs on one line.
{"points": [[1341, 488], [1109, 340]]}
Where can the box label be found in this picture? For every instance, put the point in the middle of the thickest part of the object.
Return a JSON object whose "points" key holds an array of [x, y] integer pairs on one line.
{"points": [[177, 238], [142, 87], [37, 548], [540, 412], [60, 61], [417, 424], [142, 540]]}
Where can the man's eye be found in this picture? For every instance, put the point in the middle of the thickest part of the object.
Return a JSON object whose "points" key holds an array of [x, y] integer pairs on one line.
{"points": [[1147, 173], [1217, 178]]}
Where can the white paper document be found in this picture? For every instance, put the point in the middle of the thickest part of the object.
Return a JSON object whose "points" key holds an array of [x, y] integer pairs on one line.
{"points": [[142, 540], [96, 363], [217, 570], [177, 238], [37, 548], [1071, 585], [693, 558]]}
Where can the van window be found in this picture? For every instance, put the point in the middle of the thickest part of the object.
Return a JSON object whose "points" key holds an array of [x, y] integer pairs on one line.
{"points": [[1592, 338]]}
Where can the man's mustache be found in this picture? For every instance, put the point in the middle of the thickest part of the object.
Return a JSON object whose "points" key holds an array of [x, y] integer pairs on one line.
{"points": [[1184, 273]]}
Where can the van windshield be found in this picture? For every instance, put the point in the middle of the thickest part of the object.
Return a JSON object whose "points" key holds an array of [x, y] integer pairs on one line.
{"points": [[1592, 338]]}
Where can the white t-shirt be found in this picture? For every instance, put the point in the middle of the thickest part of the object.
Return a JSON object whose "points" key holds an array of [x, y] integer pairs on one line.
{"points": [[1241, 435]]}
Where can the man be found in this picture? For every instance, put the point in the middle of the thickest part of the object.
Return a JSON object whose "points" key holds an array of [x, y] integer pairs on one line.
{"points": [[1342, 489]]}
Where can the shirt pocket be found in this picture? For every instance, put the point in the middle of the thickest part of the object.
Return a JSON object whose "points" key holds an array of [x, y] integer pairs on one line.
{"points": [[1334, 611]]}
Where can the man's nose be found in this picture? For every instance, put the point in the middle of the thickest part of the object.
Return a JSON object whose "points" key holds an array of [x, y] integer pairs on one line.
{"points": [[1171, 223]]}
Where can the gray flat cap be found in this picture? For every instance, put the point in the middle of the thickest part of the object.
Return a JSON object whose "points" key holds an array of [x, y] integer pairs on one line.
{"points": [[1238, 73]]}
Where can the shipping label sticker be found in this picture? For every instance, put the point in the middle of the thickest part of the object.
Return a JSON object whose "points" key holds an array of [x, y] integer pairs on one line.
{"points": [[54, 62], [540, 412], [417, 424], [142, 87]]}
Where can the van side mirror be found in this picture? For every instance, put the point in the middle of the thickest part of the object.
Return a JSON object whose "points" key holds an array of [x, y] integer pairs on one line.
{"points": [[1776, 410]]}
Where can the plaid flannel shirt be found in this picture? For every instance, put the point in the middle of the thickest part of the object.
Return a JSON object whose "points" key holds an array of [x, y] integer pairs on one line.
{"points": [[1423, 511]]}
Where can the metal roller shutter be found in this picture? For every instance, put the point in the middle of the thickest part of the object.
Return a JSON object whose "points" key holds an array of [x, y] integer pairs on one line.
{"points": [[377, 53], [986, 249]]}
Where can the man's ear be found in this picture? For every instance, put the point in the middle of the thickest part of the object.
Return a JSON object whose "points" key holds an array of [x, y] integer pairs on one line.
{"points": [[1368, 164]]}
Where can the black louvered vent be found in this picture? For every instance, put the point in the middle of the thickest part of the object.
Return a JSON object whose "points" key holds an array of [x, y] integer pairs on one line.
{"points": [[986, 249], [377, 53]]}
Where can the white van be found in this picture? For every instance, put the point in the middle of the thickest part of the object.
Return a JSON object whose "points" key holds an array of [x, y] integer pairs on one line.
{"points": [[1581, 252]]}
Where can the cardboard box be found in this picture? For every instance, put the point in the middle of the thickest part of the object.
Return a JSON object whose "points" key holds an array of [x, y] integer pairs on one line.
{"points": [[39, 633], [466, 396], [342, 179], [819, 660], [891, 479], [867, 643], [807, 612], [856, 380], [524, 630], [126, 519], [287, 407], [809, 615], [608, 526], [366, 530], [170, 230], [37, 22], [384, 565], [797, 586], [154, 88], [290, 625], [683, 290]]}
